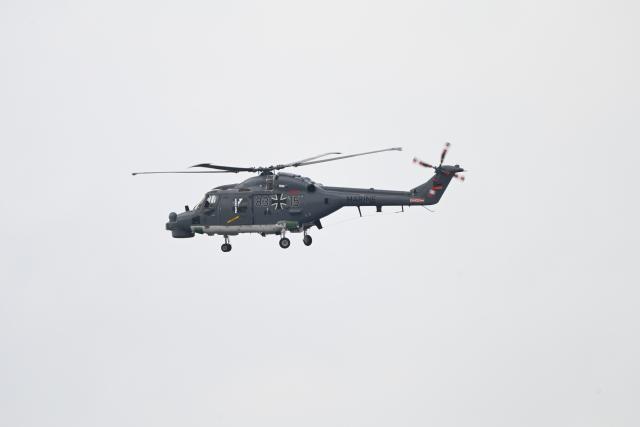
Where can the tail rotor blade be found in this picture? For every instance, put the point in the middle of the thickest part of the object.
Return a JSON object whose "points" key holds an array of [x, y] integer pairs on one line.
{"points": [[421, 163], [444, 152], [460, 177]]}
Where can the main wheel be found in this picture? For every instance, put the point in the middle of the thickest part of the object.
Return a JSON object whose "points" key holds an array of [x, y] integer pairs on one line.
{"points": [[285, 243], [307, 240], [226, 247]]}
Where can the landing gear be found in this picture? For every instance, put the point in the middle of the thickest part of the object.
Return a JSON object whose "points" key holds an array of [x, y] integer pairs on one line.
{"points": [[285, 243], [226, 246], [307, 240]]}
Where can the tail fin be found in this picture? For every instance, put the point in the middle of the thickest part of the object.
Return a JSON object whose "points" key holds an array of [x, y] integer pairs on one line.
{"points": [[432, 190]]}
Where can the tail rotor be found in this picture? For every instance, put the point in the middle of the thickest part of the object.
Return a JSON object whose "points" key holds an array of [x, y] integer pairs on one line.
{"points": [[447, 170]]}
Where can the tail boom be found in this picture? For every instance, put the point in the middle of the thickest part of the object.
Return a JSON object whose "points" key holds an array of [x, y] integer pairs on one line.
{"points": [[432, 190]]}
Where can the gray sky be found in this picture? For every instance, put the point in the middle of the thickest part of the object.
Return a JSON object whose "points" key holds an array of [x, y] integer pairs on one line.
{"points": [[515, 304]]}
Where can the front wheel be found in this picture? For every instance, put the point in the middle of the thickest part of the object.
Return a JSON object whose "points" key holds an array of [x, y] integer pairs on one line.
{"points": [[285, 243], [226, 247], [307, 240]]}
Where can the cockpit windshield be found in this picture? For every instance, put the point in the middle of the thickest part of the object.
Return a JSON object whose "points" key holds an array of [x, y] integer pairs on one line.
{"points": [[208, 201]]}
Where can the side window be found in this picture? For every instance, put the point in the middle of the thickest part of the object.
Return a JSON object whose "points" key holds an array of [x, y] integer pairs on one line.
{"points": [[240, 204], [269, 182]]}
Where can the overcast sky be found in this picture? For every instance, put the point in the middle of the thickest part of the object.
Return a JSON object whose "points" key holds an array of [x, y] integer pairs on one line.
{"points": [[514, 304]]}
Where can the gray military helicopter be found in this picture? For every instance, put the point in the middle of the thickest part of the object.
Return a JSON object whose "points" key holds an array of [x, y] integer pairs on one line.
{"points": [[278, 202]]}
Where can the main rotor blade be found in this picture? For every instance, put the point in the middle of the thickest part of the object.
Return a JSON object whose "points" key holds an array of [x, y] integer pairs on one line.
{"points": [[299, 162], [259, 169], [349, 156], [148, 173], [303, 162], [226, 168]]}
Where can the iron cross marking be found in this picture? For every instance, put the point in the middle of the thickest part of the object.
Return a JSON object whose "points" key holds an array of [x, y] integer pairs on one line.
{"points": [[279, 201]]}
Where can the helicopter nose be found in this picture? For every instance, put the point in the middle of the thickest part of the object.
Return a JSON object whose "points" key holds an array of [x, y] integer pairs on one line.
{"points": [[173, 222], [179, 229]]}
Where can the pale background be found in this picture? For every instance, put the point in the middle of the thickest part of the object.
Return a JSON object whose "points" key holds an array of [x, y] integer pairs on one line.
{"points": [[515, 304]]}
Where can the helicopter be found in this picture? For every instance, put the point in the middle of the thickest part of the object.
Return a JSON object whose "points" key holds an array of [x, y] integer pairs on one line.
{"points": [[277, 203]]}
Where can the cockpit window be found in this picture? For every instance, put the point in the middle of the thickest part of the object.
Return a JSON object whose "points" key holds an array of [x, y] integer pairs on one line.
{"points": [[210, 200]]}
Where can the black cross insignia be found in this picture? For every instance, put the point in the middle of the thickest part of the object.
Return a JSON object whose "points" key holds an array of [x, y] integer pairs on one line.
{"points": [[279, 201]]}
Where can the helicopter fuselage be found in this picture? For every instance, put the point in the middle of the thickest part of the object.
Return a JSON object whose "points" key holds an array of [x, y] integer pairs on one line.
{"points": [[278, 203]]}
